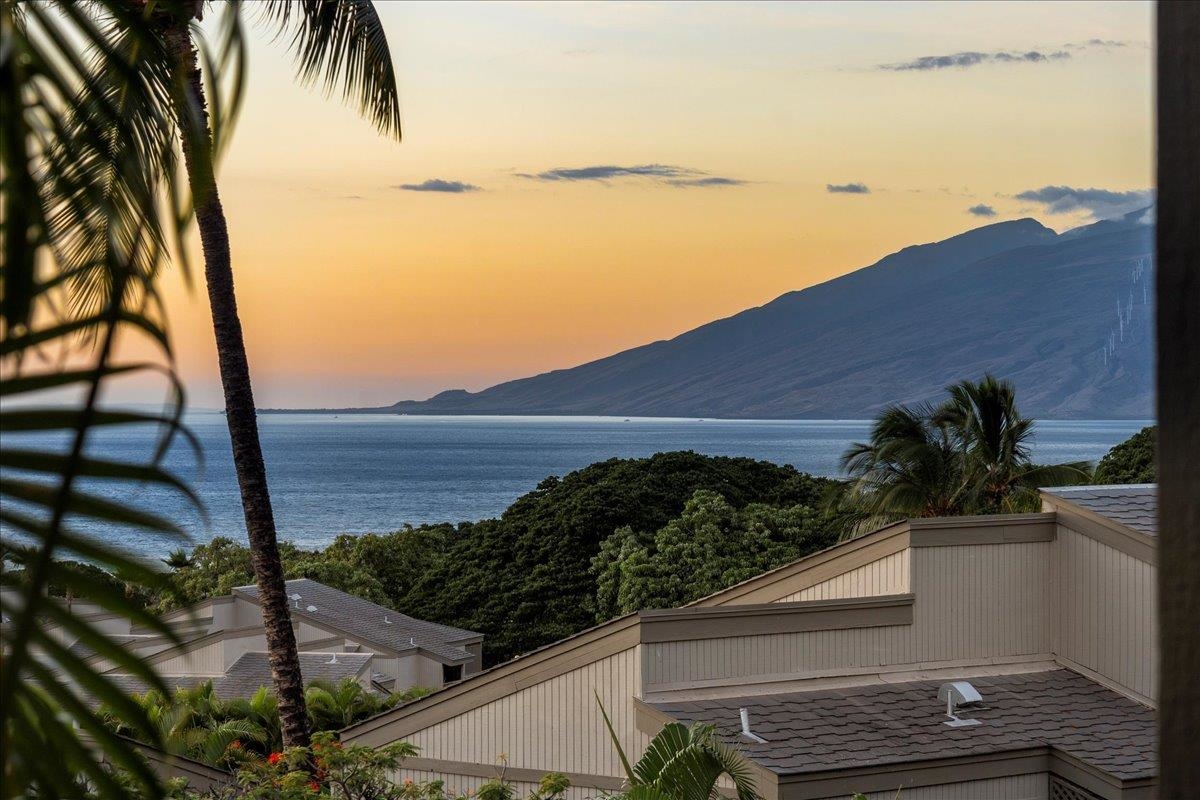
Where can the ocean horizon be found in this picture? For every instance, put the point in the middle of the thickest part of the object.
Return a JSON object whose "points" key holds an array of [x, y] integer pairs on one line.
{"points": [[357, 473]]}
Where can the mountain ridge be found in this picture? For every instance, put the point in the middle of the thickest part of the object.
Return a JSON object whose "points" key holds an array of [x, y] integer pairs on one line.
{"points": [[1013, 298]]}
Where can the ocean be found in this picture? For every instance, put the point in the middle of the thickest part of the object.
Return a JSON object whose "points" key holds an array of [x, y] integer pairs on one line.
{"points": [[361, 473]]}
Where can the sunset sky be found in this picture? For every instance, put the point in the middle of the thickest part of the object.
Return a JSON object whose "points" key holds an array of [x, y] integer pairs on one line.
{"points": [[579, 179]]}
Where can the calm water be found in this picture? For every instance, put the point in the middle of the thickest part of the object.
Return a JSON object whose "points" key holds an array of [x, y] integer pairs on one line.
{"points": [[353, 473]]}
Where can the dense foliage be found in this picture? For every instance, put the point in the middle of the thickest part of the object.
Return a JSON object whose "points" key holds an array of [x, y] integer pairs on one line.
{"points": [[329, 769], [708, 547], [526, 579], [1132, 461], [195, 722]]}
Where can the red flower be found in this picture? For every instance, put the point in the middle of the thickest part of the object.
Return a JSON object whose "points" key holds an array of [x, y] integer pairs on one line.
{"points": [[274, 758], [316, 787]]}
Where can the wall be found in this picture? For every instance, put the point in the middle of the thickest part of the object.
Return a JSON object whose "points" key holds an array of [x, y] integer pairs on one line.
{"points": [[887, 575], [1107, 617], [972, 602], [554, 724]]}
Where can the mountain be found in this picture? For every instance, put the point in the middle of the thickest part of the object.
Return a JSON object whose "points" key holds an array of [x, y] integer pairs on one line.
{"points": [[1014, 299]]}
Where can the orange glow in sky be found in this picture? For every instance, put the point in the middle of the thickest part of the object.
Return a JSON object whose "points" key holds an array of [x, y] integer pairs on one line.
{"points": [[356, 292]]}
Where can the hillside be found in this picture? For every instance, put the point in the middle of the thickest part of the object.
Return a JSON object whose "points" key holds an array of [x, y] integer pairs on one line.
{"points": [[1014, 299]]}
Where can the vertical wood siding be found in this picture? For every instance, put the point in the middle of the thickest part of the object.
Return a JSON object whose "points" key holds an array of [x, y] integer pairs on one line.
{"points": [[1034, 786], [1107, 616], [553, 725], [973, 601], [206, 660], [888, 575]]}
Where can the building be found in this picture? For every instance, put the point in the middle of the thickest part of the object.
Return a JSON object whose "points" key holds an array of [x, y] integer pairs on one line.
{"points": [[840, 660], [339, 636]]}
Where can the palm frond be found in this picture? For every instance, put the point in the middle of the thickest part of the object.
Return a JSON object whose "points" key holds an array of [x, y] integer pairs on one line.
{"points": [[342, 43], [86, 141]]}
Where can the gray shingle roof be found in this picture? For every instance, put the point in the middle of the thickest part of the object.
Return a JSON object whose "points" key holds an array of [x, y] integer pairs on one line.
{"points": [[1133, 505], [364, 620], [252, 671], [882, 724]]}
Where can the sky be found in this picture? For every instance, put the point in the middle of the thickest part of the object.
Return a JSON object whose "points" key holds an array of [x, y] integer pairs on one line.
{"points": [[578, 179]]}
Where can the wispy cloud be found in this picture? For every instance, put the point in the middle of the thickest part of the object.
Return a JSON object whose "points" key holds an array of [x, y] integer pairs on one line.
{"points": [[847, 188], [667, 174], [972, 58], [1099, 203], [439, 185], [982, 210]]}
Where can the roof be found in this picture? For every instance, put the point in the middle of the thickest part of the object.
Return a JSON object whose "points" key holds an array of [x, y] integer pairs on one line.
{"points": [[891, 723], [252, 671], [1133, 505], [364, 620]]}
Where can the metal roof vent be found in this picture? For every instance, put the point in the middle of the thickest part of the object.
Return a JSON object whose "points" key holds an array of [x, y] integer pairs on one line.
{"points": [[957, 695], [754, 737], [311, 609]]}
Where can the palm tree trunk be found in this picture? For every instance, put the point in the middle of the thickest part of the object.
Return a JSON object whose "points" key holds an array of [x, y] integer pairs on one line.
{"points": [[239, 401]]}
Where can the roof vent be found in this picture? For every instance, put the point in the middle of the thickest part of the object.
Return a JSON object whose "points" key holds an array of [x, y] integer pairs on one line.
{"points": [[957, 695], [296, 600], [311, 609], [745, 714]]}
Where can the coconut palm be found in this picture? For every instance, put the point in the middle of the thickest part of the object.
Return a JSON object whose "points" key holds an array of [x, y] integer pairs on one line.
{"points": [[969, 455], [682, 763], [995, 439], [912, 466], [337, 42]]}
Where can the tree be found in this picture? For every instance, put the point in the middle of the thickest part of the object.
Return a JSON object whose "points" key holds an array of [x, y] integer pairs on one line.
{"points": [[682, 763], [995, 438], [1131, 461], [969, 455], [708, 547], [337, 42]]}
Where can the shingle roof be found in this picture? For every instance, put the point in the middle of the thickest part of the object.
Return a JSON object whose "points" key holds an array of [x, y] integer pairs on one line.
{"points": [[362, 619], [882, 724], [252, 671], [1132, 505]]}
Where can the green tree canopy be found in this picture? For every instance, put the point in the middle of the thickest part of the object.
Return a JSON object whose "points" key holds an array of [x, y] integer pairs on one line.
{"points": [[1132, 461]]}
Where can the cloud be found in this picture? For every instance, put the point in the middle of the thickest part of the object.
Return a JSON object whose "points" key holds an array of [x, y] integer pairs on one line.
{"points": [[683, 177], [847, 188], [982, 210], [1100, 203], [972, 58], [439, 185]]}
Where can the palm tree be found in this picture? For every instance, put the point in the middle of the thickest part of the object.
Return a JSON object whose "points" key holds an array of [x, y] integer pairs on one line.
{"points": [[333, 706], [911, 467], [337, 41], [969, 455], [682, 763], [995, 440]]}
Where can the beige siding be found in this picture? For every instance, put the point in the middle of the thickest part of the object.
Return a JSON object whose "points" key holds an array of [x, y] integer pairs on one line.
{"points": [[551, 725], [208, 659], [1035, 786], [888, 575], [1106, 618], [972, 602]]}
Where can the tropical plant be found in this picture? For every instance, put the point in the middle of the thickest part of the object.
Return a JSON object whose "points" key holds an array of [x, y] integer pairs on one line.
{"points": [[85, 235], [337, 42], [682, 763], [969, 455], [995, 439]]}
